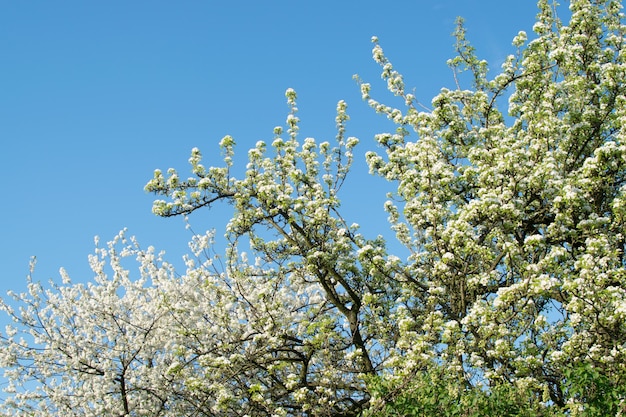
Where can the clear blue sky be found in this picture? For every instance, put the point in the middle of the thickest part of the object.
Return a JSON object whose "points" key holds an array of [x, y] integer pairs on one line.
{"points": [[95, 95]]}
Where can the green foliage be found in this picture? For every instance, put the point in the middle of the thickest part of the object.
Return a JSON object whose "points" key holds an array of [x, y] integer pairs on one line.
{"points": [[434, 393], [595, 394]]}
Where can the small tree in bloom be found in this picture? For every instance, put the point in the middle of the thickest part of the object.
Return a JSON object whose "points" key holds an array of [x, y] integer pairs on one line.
{"points": [[512, 300], [95, 349]]}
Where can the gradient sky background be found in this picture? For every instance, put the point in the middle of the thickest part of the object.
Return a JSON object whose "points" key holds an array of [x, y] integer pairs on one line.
{"points": [[95, 95]]}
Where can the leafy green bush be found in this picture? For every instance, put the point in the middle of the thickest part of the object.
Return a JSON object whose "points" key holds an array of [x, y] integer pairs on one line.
{"points": [[433, 393], [594, 394]]}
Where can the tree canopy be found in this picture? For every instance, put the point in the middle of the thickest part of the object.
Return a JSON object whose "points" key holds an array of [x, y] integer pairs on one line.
{"points": [[508, 195]]}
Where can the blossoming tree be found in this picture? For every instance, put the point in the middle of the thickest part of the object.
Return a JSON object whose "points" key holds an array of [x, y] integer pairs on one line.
{"points": [[515, 281]]}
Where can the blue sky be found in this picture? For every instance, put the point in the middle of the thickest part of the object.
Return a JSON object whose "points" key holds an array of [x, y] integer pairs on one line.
{"points": [[95, 95]]}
